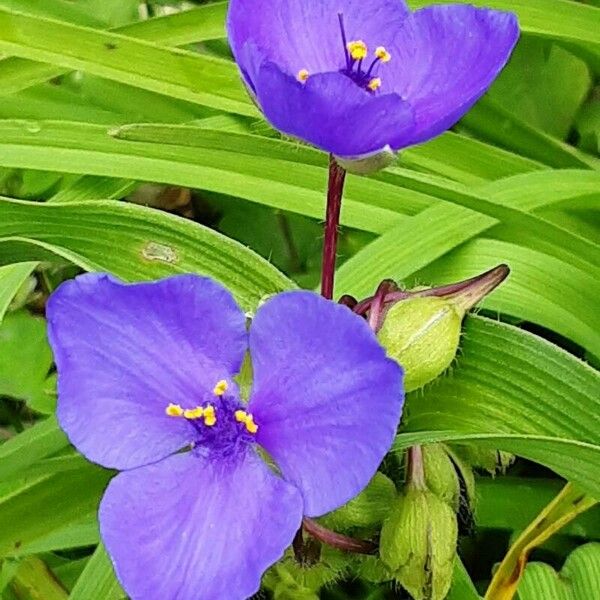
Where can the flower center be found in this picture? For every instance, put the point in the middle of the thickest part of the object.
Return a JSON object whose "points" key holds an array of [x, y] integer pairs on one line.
{"points": [[221, 427], [355, 52]]}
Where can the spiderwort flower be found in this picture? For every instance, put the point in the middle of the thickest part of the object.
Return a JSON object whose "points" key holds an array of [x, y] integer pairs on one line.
{"points": [[357, 78], [146, 386]]}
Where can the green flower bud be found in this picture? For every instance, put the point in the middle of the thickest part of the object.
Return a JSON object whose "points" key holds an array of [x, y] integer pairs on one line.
{"points": [[367, 510], [422, 334], [418, 544], [440, 474]]}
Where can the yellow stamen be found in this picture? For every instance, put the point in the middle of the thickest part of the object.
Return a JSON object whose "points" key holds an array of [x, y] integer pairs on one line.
{"points": [[174, 410], [358, 49], [220, 388], [251, 426], [374, 84], [382, 54], [303, 75], [194, 413], [241, 416], [210, 418]]}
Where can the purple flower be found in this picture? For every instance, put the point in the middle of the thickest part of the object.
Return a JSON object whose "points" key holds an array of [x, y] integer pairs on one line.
{"points": [[146, 383], [361, 77]]}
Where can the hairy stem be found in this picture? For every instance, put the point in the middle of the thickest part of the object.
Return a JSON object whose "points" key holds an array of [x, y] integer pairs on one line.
{"points": [[335, 191]]}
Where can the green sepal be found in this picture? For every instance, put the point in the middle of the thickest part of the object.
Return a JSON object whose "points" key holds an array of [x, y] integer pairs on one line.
{"points": [[440, 474]]}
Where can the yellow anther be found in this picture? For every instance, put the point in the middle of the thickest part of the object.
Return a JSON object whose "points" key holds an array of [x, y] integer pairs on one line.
{"points": [[358, 49], [210, 418], [240, 416], [374, 84], [194, 413], [303, 75], [220, 388], [382, 54], [174, 410], [251, 426]]}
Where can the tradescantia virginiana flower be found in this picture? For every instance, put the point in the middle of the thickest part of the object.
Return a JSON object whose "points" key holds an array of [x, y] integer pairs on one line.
{"points": [[146, 386], [358, 78]]}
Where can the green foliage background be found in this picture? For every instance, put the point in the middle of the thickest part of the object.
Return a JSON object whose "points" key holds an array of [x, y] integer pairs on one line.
{"points": [[96, 101]]}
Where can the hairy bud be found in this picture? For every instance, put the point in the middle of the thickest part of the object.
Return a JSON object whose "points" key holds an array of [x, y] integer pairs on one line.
{"points": [[422, 331], [418, 543], [422, 334]]}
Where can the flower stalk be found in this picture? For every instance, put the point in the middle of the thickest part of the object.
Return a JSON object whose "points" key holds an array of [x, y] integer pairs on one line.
{"points": [[338, 540], [335, 191], [416, 468]]}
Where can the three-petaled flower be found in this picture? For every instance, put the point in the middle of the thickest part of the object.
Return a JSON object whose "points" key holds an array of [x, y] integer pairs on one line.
{"points": [[360, 77], [146, 386]]}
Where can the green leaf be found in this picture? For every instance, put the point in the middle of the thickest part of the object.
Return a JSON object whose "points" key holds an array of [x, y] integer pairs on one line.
{"points": [[541, 234], [49, 505], [564, 508], [543, 85], [176, 73], [97, 580], [150, 244], [579, 577], [516, 392], [41, 440], [89, 188], [492, 122], [200, 24], [58, 9], [33, 580], [466, 159], [278, 174], [462, 587], [12, 277], [511, 503], [77, 533], [25, 359]]}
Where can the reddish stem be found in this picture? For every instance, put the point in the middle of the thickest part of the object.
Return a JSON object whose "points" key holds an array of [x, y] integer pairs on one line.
{"points": [[377, 308], [335, 190], [337, 540]]}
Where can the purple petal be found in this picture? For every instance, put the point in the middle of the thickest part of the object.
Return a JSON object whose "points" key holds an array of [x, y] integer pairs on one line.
{"points": [[124, 352], [444, 59], [186, 528], [325, 398], [331, 112], [301, 34]]}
